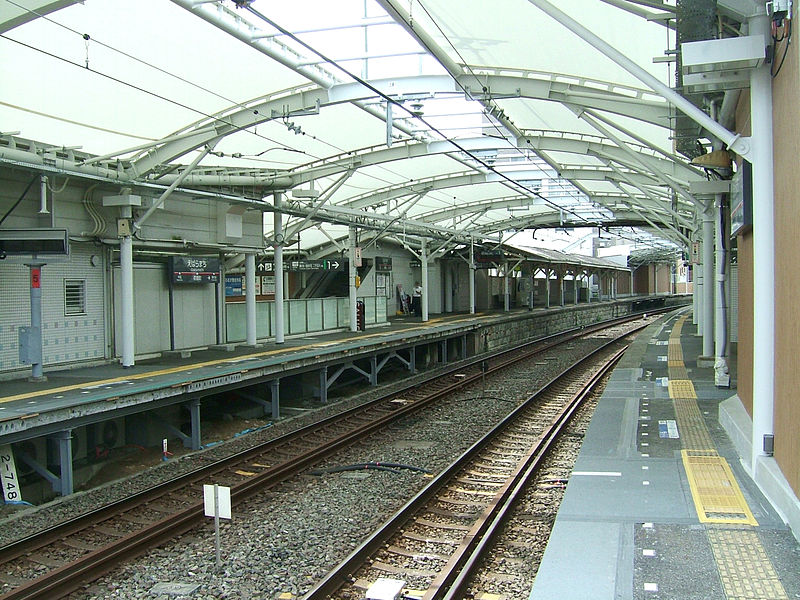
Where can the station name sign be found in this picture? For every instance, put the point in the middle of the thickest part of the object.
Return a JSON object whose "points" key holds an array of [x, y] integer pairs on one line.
{"points": [[194, 269]]}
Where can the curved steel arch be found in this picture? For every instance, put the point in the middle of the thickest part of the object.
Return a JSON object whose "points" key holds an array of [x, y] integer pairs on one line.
{"points": [[307, 98]]}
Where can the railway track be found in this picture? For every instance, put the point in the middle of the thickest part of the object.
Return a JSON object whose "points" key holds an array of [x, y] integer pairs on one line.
{"points": [[62, 559], [435, 543]]}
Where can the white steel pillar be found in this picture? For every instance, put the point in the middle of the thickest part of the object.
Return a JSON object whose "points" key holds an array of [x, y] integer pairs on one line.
{"points": [[352, 278], [721, 372], [763, 250], [471, 277], [277, 229], [696, 291], [250, 296], [506, 299], [126, 287], [561, 288], [575, 287], [425, 290], [708, 278]]}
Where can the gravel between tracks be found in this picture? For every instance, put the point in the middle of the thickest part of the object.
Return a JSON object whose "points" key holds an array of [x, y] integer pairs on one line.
{"points": [[285, 539]]}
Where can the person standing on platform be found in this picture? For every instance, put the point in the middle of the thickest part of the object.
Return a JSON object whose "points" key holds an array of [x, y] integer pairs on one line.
{"points": [[416, 299]]}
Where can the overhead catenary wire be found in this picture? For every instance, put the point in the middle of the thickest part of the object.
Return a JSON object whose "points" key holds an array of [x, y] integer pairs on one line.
{"points": [[411, 113]]}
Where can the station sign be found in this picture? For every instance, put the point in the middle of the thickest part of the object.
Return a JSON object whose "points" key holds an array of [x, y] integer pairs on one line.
{"points": [[415, 264], [383, 264], [194, 269], [485, 255]]}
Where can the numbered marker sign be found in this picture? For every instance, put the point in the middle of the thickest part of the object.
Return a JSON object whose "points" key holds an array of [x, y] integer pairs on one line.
{"points": [[8, 475]]}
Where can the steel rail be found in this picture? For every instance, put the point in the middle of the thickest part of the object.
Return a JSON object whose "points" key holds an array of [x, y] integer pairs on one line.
{"points": [[71, 576], [340, 575]]}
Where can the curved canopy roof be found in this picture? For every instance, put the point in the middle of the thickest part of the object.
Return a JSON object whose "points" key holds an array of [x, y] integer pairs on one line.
{"points": [[450, 119]]}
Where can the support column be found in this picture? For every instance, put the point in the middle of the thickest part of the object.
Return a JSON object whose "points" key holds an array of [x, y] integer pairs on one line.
{"points": [[64, 440], [275, 397], [126, 290], [448, 288], [532, 289], [471, 277], [561, 288], [277, 228], [506, 299], [352, 273], [763, 249], [575, 288], [373, 370], [323, 385], [547, 287], [194, 412], [425, 289], [250, 297], [708, 278], [35, 336], [412, 360], [721, 373]]}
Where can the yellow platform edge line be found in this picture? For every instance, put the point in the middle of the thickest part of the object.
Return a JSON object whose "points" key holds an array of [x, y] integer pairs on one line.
{"points": [[697, 496]]}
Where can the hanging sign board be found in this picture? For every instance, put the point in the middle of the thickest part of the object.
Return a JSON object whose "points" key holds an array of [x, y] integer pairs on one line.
{"points": [[333, 264], [383, 264], [484, 255], [695, 253], [194, 269], [415, 264]]}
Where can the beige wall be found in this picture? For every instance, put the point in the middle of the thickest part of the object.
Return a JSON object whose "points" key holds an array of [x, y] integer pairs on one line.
{"points": [[786, 112]]}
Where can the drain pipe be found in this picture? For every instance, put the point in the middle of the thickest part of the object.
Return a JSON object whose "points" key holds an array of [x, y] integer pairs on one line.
{"points": [[722, 376]]}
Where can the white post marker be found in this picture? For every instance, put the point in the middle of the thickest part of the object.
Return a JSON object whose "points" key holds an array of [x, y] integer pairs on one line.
{"points": [[217, 504], [8, 475]]}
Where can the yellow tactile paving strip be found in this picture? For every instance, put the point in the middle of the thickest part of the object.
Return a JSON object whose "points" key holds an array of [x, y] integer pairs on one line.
{"points": [[693, 431], [716, 495], [744, 567], [681, 388]]}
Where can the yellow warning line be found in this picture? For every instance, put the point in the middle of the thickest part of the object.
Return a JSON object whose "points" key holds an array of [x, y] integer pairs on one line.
{"points": [[744, 567], [716, 494]]}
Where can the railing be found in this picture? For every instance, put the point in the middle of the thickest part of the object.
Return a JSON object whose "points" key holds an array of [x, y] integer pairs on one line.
{"points": [[307, 315]]}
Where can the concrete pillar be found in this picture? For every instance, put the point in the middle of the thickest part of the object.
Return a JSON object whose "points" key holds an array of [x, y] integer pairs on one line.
{"points": [[194, 412], [448, 288]]}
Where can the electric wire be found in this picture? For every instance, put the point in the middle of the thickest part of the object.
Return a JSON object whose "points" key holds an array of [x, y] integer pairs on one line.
{"points": [[243, 106]]}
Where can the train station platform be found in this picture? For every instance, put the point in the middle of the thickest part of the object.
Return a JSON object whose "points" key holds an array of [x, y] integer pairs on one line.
{"points": [[74, 412], [658, 505]]}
